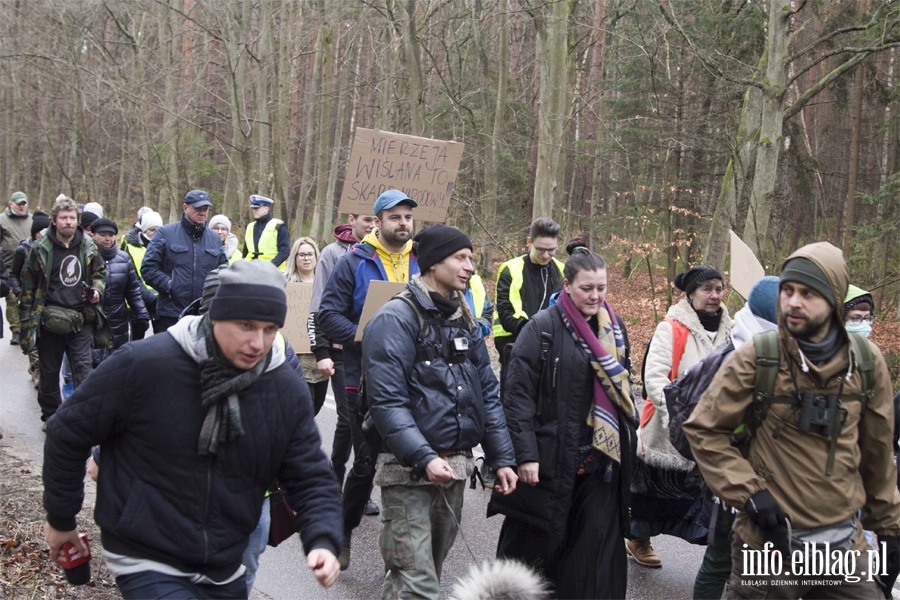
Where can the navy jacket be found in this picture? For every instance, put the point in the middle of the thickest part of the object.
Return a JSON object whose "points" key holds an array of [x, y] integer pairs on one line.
{"points": [[176, 264], [343, 299], [122, 285], [425, 407], [157, 497]]}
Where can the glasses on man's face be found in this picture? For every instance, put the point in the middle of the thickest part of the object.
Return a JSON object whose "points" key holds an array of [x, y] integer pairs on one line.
{"points": [[539, 250], [305, 255], [857, 319]]}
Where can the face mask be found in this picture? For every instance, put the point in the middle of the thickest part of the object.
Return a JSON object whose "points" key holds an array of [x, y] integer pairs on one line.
{"points": [[862, 327]]}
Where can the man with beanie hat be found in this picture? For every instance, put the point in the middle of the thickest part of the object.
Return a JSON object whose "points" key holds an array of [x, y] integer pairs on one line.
{"points": [[175, 517], [384, 254], [820, 462], [267, 238], [15, 225], [179, 257], [432, 397]]}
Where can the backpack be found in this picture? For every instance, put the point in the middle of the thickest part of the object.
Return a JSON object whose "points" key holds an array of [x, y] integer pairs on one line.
{"points": [[683, 394], [767, 360], [680, 335]]}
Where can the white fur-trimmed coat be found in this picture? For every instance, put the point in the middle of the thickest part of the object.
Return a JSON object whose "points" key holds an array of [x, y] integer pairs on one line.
{"points": [[653, 445]]}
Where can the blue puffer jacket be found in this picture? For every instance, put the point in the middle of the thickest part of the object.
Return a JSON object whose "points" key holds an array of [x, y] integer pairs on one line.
{"points": [[343, 299], [428, 406], [178, 259], [157, 497], [122, 285]]}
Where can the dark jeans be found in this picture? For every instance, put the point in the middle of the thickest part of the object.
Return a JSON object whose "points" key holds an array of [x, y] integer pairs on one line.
{"points": [[340, 447], [359, 481], [51, 349], [150, 584]]}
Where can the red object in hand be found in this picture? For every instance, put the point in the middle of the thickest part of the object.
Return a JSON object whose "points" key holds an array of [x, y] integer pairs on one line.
{"points": [[77, 566]]}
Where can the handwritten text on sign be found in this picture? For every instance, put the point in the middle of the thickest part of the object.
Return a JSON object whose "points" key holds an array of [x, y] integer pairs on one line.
{"points": [[422, 168], [299, 296]]}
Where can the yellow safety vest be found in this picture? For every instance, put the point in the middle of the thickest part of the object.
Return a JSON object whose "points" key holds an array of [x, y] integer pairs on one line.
{"points": [[137, 257], [268, 241], [478, 294], [516, 268]]}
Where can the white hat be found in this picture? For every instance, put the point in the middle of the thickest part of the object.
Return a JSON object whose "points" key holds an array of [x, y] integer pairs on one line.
{"points": [[93, 207], [220, 220], [150, 220]]}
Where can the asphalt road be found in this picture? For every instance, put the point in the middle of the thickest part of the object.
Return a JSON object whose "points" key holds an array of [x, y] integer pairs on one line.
{"points": [[283, 573]]}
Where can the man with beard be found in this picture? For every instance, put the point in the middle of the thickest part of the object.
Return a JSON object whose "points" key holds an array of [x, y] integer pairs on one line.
{"points": [[179, 258], [15, 226], [63, 277], [384, 255], [820, 465]]}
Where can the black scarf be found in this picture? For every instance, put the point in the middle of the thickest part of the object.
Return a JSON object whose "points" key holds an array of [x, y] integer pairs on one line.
{"points": [[820, 353], [446, 306], [193, 229], [221, 385], [108, 253], [709, 322]]}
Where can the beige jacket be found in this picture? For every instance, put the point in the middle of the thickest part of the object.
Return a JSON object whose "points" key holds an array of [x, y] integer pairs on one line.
{"points": [[793, 466], [654, 446]]}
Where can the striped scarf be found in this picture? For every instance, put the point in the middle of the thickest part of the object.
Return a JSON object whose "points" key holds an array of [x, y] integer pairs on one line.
{"points": [[612, 385]]}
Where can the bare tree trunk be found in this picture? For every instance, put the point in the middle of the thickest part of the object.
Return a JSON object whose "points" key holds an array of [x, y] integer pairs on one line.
{"points": [[853, 175], [410, 40], [325, 53]]}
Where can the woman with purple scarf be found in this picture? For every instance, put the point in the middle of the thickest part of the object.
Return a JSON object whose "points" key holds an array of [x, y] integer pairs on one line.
{"points": [[570, 413]]}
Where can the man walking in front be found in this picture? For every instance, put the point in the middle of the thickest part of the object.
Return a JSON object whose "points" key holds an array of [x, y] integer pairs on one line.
{"points": [[433, 397], [193, 425], [15, 226], [179, 257], [383, 255], [821, 445], [63, 278], [267, 238]]}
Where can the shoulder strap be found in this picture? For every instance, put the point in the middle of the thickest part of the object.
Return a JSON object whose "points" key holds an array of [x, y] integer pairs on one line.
{"points": [[865, 362], [767, 360], [680, 335], [407, 297]]}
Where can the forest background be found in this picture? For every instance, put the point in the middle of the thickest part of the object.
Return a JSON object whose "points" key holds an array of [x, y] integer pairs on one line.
{"points": [[650, 128]]}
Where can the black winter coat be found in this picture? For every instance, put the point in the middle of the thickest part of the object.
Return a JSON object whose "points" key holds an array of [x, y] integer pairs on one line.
{"points": [[422, 407], [547, 401], [157, 497], [122, 285], [18, 262]]}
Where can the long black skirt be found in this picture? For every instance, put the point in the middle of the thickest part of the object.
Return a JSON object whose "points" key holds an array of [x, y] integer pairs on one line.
{"points": [[589, 560]]}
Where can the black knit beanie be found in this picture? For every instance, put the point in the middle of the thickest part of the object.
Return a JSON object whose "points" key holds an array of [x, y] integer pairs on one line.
{"points": [[691, 279], [250, 289], [39, 222], [803, 270], [436, 243]]}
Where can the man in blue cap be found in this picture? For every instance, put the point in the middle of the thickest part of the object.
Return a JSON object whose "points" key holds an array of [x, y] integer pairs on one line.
{"points": [[383, 255], [267, 238], [179, 258]]}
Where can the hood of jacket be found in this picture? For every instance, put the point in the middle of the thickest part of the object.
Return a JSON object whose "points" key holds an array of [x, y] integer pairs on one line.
{"points": [[187, 333], [344, 233], [396, 264], [133, 236], [830, 261], [746, 325]]}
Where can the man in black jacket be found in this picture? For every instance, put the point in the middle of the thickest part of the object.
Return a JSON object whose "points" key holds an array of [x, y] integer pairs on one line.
{"points": [[433, 397], [193, 426]]}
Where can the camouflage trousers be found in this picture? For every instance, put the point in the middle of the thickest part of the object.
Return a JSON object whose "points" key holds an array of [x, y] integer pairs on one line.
{"points": [[417, 531], [12, 311]]}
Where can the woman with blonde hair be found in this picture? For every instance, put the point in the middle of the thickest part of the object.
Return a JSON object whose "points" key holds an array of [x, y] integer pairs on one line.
{"points": [[301, 267]]}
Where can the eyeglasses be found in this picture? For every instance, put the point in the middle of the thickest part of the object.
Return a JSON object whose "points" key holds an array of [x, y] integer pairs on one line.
{"points": [[857, 319], [306, 255], [550, 251]]}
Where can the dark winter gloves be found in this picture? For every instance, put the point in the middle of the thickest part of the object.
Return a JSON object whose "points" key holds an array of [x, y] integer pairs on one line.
{"points": [[892, 562], [763, 509]]}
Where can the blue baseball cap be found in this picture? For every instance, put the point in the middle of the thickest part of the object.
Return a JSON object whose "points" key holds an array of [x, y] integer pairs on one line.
{"points": [[390, 199], [260, 201], [197, 198]]}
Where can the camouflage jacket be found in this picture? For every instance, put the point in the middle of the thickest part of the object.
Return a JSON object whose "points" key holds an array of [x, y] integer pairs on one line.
{"points": [[35, 274]]}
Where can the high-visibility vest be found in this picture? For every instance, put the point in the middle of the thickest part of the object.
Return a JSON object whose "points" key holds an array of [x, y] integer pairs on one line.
{"points": [[516, 268], [137, 257], [268, 241], [476, 286]]}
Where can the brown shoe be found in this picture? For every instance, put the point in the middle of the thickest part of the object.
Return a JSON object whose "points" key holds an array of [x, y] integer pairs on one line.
{"points": [[642, 553]]}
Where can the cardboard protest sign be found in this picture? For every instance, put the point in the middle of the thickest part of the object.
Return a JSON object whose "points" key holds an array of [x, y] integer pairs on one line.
{"points": [[299, 296], [377, 296], [746, 269], [422, 168]]}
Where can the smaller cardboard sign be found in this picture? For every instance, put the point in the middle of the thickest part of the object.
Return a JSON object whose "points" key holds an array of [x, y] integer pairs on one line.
{"points": [[746, 269], [422, 168], [299, 296], [377, 296]]}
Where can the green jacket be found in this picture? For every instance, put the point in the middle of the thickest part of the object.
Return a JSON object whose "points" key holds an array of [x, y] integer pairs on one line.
{"points": [[35, 282]]}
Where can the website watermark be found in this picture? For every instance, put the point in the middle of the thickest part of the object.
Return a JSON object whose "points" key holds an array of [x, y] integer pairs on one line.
{"points": [[813, 564]]}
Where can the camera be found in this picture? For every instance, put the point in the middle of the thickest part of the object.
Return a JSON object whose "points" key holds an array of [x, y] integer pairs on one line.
{"points": [[460, 345], [819, 411]]}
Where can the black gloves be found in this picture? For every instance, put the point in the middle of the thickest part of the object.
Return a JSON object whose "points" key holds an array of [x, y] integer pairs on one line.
{"points": [[892, 562], [139, 328], [763, 509]]}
